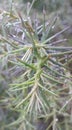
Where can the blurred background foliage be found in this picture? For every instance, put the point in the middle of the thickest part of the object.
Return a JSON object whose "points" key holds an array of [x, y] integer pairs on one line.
{"points": [[50, 5]]}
